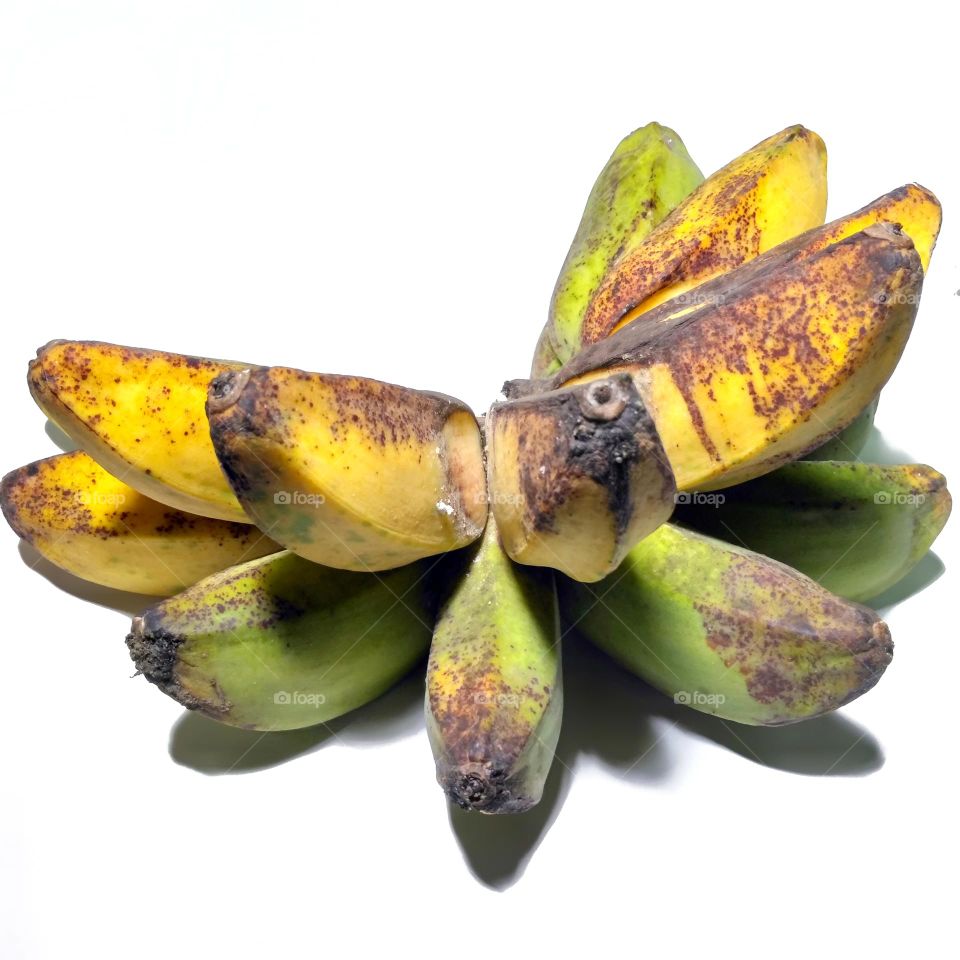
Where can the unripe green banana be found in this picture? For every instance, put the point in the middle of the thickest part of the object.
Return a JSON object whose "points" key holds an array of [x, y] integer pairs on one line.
{"points": [[494, 692], [649, 173], [281, 643], [856, 528], [730, 632]]}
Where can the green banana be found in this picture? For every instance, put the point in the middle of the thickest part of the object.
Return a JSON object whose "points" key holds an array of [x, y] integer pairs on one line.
{"points": [[648, 174], [281, 643], [730, 632], [856, 528], [494, 691], [848, 444]]}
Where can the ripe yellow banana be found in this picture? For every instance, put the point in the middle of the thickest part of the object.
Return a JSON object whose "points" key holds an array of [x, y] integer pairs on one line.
{"points": [[140, 415], [494, 689], [730, 632], [281, 643], [778, 356], [648, 174], [765, 196], [350, 472], [78, 516], [577, 476]]}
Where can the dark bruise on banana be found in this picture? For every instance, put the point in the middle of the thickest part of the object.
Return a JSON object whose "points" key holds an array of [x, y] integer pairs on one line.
{"points": [[577, 476]]}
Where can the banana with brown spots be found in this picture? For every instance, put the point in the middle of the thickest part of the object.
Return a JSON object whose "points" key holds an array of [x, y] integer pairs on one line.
{"points": [[281, 643], [775, 358], [648, 174], [765, 196], [730, 632], [346, 471], [140, 415], [494, 694], [85, 521]]}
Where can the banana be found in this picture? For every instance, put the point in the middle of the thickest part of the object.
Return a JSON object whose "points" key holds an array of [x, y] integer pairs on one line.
{"points": [[856, 528], [779, 355], [350, 472], [139, 414], [730, 632], [648, 174], [281, 643], [765, 196], [494, 694], [79, 517], [919, 215], [577, 476], [914, 208]]}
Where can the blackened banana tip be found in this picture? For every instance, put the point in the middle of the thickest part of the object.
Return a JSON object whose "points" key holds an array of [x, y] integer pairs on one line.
{"points": [[225, 389], [470, 789]]}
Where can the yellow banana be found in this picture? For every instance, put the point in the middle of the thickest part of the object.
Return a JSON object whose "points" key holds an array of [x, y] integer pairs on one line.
{"points": [[349, 472], [79, 517], [765, 196], [138, 413], [776, 357], [577, 476]]}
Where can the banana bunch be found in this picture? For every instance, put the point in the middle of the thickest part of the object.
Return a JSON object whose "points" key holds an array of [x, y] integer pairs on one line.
{"points": [[678, 480]]}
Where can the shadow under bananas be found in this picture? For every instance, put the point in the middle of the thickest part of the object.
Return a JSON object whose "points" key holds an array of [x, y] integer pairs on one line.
{"points": [[876, 449], [618, 719], [213, 748], [929, 569], [831, 745], [602, 717], [120, 600]]}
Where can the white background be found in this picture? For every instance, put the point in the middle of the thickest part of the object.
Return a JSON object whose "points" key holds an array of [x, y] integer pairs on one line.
{"points": [[390, 191]]}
